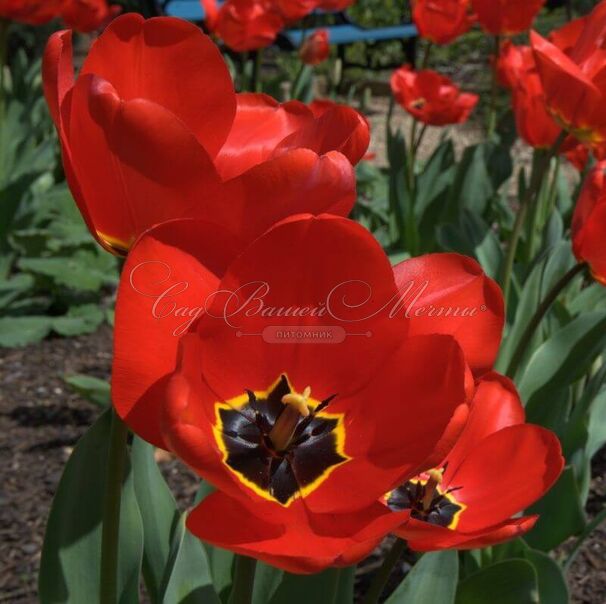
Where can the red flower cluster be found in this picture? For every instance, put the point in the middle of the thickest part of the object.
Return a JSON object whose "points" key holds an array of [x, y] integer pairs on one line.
{"points": [[506, 17], [589, 223], [81, 15], [316, 48], [430, 97], [329, 397], [245, 25], [571, 71], [442, 21], [142, 146]]}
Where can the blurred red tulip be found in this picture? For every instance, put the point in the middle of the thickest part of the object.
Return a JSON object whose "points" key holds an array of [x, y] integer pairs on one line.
{"points": [[573, 81], [498, 467], [293, 10], [442, 21], [315, 48], [589, 223], [160, 134], [244, 25], [31, 12], [506, 17], [81, 15], [517, 70], [431, 98]]}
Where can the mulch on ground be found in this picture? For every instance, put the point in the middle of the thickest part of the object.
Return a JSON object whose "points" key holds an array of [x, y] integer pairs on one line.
{"points": [[41, 420]]}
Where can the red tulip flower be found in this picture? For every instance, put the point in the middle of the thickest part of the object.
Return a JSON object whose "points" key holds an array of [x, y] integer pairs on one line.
{"points": [[160, 134], [506, 17], [297, 406], [431, 98], [244, 25], [534, 124], [589, 223], [573, 82], [498, 467], [31, 12], [315, 48], [88, 15], [442, 21], [81, 15], [294, 10]]}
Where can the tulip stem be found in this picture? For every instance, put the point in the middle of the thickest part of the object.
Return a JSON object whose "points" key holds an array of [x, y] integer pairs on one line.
{"points": [[255, 81], [4, 25], [494, 89], [541, 163], [116, 465], [382, 575], [244, 581], [538, 316]]}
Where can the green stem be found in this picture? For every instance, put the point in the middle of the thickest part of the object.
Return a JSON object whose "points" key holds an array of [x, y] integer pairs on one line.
{"points": [[536, 319], [494, 89], [601, 517], [255, 83], [540, 165], [4, 25], [244, 581], [382, 575], [116, 465], [426, 54]]}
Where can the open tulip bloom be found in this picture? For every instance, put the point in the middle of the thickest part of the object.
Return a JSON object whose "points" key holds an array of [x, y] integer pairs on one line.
{"points": [[161, 134], [312, 381]]}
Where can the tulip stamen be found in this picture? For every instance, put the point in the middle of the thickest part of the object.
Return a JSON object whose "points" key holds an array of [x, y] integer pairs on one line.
{"points": [[433, 482], [284, 429]]}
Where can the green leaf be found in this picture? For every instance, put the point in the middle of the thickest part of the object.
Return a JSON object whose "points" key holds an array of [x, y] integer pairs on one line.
{"points": [[79, 320], [267, 581], [563, 359], [188, 579], [432, 579], [551, 580], [71, 554], [21, 331], [91, 388], [560, 513], [303, 589], [509, 582], [159, 515]]}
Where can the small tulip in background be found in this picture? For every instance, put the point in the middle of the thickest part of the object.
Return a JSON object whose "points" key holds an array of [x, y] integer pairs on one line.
{"points": [[315, 48]]}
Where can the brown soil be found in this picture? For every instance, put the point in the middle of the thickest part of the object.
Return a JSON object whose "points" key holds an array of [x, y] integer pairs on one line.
{"points": [[41, 420]]}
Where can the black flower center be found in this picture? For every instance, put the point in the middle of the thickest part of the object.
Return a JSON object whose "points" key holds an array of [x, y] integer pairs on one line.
{"points": [[314, 449], [426, 502]]}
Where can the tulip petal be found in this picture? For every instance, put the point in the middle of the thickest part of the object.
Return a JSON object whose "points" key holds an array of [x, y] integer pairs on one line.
{"points": [[424, 537], [307, 544], [339, 128], [172, 64], [451, 294], [496, 405], [505, 473], [135, 163], [302, 263], [166, 279], [261, 123]]}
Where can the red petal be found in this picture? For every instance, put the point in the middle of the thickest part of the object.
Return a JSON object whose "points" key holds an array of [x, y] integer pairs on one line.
{"points": [[424, 537], [505, 473], [173, 64], [495, 406], [340, 128], [260, 124], [297, 543], [299, 264], [135, 163], [166, 278], [451, 281]]}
